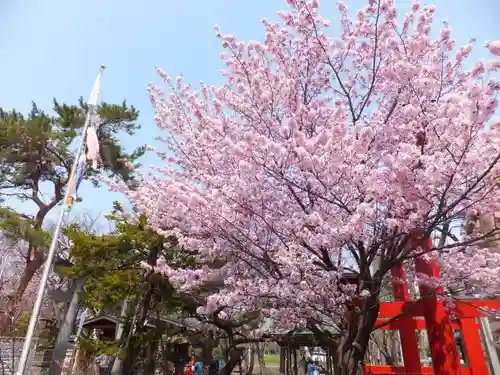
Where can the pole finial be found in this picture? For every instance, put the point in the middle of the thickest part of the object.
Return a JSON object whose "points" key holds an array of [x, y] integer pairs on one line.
{"points": [[102, 67]]}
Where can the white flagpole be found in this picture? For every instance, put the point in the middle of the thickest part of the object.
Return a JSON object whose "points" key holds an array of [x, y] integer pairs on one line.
{"points": [[28, 339]]}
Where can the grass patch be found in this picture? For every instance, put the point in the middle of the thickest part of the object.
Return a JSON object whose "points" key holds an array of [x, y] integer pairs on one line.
{"points": [[270, 359]]}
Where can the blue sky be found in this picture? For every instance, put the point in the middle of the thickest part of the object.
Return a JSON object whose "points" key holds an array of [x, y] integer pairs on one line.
{"points": [[53, 48]]}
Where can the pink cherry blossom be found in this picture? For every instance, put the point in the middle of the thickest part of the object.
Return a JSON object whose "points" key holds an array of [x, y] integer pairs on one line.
{"points": [[321, 156], [494, 47]]}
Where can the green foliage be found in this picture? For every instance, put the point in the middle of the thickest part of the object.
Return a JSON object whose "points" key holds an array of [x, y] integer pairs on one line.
{"points": [[110, 263], [19, 328], [17, 228], [96, 347]]}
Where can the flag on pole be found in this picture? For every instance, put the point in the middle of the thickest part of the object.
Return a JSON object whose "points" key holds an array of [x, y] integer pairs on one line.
{"points": [[76, 180], [90, 149], [92, 146], [80, 171]]}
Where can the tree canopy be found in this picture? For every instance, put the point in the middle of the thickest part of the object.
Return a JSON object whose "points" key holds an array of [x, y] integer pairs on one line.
{"points": [[36, 148], [323, 159], [110, 263]]}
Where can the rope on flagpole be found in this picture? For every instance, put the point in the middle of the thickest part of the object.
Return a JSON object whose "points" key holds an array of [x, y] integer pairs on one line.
{"points": [[28, 339]]}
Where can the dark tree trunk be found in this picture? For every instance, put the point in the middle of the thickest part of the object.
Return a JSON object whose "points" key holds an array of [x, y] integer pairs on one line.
{"points": [[225, 351], [134, 345], [178, 368], [354, 344], [233, 360], [207, 354], [129, 360], [133, 348], [150, 358], [176, 355]]}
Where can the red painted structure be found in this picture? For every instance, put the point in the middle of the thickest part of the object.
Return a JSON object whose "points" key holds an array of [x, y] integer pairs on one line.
{"points": [[439, 326]]}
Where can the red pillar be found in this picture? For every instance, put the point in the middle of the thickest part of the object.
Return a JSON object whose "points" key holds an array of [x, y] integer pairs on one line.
{"points": [[445, 358], [473, 346], [409, 343]]}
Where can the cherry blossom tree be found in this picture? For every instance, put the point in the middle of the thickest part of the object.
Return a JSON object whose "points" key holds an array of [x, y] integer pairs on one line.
{"points": [[322, 157]]}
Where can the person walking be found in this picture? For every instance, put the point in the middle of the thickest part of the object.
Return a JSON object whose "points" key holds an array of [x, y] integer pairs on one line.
{"points": [[198, 368], [311, 367]]}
